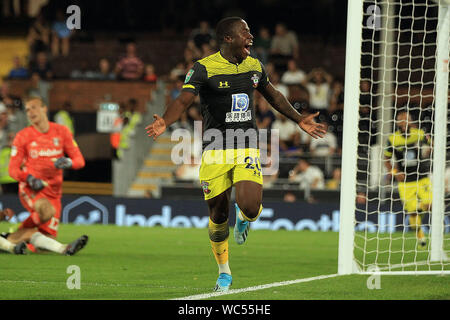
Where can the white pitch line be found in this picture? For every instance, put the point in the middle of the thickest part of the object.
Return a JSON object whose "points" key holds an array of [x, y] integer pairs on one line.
{"points": [[255, 288]]}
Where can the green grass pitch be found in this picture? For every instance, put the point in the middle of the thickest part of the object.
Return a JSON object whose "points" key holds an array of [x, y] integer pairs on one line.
{"points": [[158, 264]]}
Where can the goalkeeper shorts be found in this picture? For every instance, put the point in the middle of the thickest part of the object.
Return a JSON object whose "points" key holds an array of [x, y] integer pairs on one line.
{"points": [[414, 193]]}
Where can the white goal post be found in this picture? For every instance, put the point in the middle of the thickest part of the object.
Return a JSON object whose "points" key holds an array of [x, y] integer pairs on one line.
{"points": [[400, 50]]}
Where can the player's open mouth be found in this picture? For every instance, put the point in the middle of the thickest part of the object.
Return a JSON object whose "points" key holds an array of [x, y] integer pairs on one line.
{"points": [[247, 48]]}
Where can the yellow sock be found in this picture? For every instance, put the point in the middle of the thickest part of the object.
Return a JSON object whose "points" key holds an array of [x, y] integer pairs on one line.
{"points": [[415, 222], [218, 237], [242, 216]]}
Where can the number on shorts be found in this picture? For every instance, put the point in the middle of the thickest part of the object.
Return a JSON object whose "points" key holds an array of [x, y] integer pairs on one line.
{"points": [[54, 224]]}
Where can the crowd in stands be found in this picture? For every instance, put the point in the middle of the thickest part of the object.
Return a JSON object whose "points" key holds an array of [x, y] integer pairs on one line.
{"points": [[309, 91]]}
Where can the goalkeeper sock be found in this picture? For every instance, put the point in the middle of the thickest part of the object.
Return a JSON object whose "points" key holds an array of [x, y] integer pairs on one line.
{"points": [[218, 237], [40, 241], [416, 221], [6, 245]]}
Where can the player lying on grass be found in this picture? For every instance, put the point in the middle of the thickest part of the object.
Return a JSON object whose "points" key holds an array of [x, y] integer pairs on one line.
{"points": [[37, 162], [6, 245]]}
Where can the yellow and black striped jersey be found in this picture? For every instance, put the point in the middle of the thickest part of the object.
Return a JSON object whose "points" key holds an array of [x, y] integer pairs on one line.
{"points": [[407, 150], [226, 93]]}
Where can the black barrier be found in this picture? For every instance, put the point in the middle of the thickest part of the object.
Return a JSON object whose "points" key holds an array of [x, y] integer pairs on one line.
{"points": [[194, 214]]}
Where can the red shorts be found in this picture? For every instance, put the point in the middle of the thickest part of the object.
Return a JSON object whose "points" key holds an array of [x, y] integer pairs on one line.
{"points": [[28, 198]]}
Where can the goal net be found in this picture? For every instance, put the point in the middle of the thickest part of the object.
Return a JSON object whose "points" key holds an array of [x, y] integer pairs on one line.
{"points": [[395, 200]]}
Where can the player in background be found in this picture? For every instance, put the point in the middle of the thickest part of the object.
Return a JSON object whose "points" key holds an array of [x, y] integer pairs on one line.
{"points": [[6, 245], [225, 82], [38, 158], [411, 148]]}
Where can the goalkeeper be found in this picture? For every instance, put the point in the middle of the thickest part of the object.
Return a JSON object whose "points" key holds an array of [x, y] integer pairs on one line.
{"points": [[411, 148], [37, 162]]}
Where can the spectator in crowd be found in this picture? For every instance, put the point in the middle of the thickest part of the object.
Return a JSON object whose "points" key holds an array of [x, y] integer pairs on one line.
{"points": [[292, 138], [3, 125], [336, 111], [202, 35], [104, 71], [38, 37], [286, 130], [60, 35], [336, 97], [207, 50], [64, 117], [83, 72], [42, 66], [335, 182], [261, 45], [264, 115], [307, 175], [270, 69], [270, 174], [284, 44], [191, 53], [8, 184], [447, 180], [150, 75], [7, 98], [18, 71], [176, 90], [289, 197], [188, 171], [130, 67], [183, 123], [293, 74], [324, 147], [17, 118], [178, 71], [365, 97], [275, 80], [318, 83]]}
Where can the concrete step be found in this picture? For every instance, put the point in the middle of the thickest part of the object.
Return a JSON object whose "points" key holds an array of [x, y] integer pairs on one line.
{"points": [[154, 175], [160, 151], [155, 181], [143, 186], [159, 163], [157, 169]]}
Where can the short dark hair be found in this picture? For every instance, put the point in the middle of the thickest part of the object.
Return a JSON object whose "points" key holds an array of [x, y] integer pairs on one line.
{"points": [[225, 27]]}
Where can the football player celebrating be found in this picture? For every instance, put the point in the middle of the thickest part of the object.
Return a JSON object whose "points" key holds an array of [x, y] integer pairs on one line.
{"points": [[226, 81]]}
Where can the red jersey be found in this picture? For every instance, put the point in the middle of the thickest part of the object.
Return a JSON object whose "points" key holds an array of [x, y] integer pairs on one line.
{"points": [[34, 153]]}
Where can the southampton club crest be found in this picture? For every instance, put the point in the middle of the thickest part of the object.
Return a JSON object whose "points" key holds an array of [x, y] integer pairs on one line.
{"points": [[255, 80], [205, 188]]}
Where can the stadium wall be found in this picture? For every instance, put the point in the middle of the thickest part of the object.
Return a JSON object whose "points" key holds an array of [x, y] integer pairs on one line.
{"points": [[193, 214]]}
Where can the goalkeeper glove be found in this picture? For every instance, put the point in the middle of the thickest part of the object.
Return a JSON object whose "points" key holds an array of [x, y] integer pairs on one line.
{"points": [[63, 163], [35, 183]]}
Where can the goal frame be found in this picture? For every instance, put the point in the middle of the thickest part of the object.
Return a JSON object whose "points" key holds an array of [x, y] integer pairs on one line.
{"points": [[346, 261]]}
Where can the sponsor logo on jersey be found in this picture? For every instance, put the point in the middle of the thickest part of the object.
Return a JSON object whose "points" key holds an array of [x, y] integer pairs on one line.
{"points": [[239, 108], [223, 84], [44, 153]]}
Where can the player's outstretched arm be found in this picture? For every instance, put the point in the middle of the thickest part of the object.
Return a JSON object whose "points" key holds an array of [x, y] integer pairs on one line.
{"points": [[282, 105], [75, 159], [172, 114]]}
